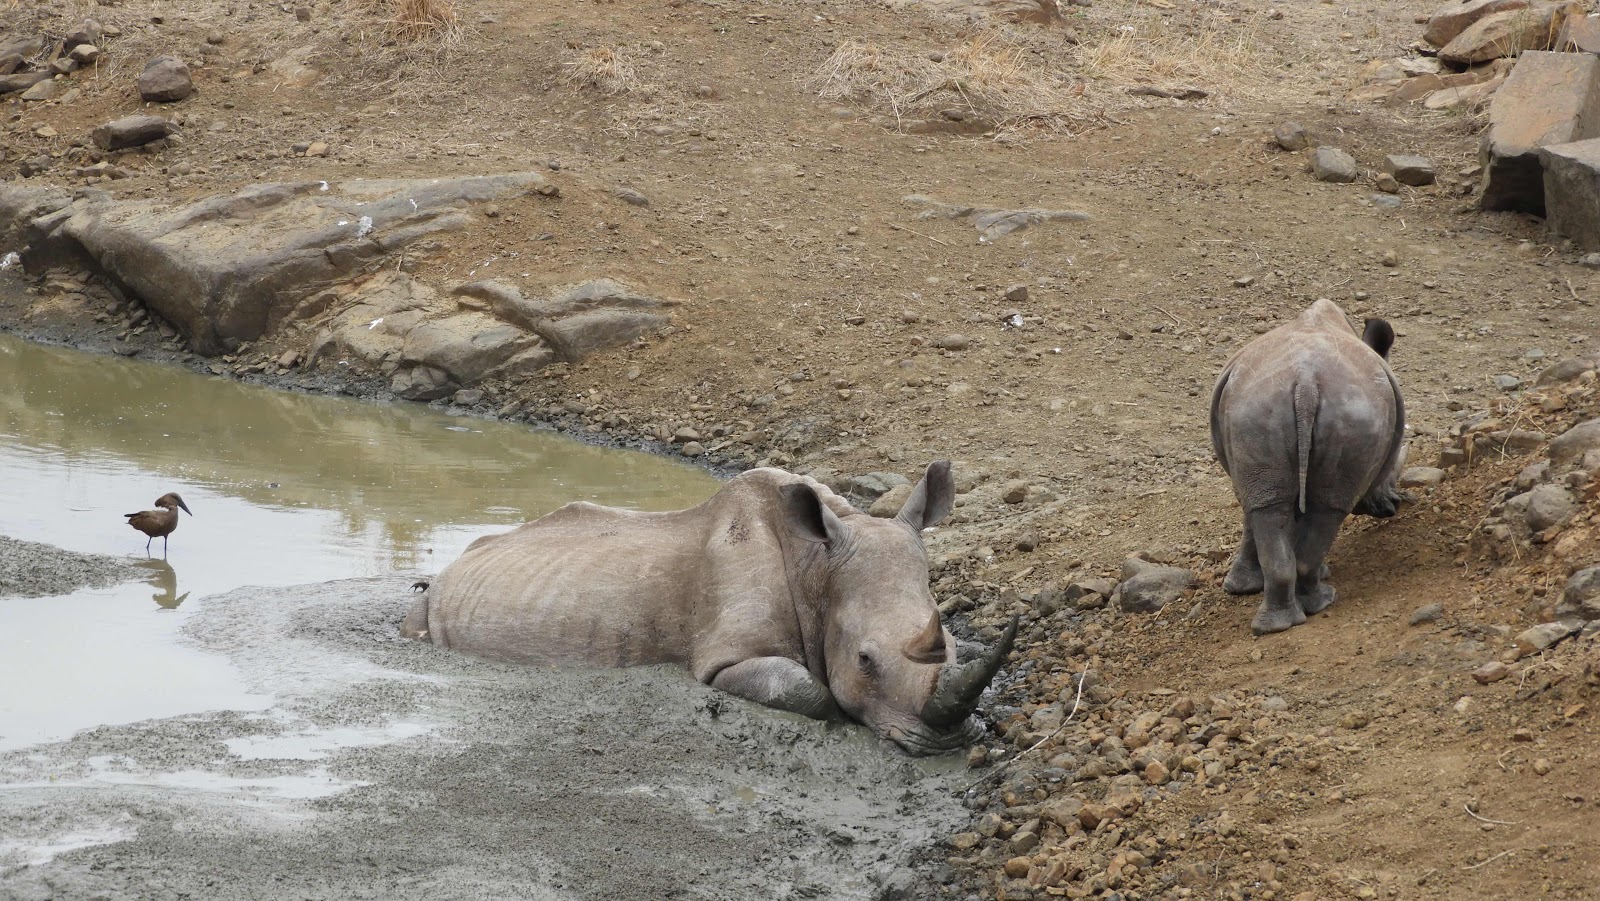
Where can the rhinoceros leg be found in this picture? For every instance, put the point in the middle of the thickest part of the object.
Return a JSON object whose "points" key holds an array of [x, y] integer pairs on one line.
{"points": [[1244, 577], [1318, 528], [1274, 531], [778, 682]]}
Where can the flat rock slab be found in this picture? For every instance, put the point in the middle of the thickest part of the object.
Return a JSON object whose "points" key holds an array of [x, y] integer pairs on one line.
{"points": [[991, 222], [1572, 191], [1549, 99], [226, 269], [1508, 32], [1453, 18]]}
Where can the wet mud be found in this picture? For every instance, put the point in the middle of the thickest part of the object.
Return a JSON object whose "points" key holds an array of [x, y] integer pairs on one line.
{"points": [[32, 570], [386, 768]]}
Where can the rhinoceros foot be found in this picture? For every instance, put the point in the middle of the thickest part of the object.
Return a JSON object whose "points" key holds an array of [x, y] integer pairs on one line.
{"points": [[1244, 577], [1317, 599], [1271, 619]]}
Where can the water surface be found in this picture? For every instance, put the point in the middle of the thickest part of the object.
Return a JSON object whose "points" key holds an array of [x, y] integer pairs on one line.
{"points": [[286, 489]]}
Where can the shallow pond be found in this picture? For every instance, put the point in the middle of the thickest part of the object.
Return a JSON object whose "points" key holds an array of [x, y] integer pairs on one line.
{"points": [[285, 489]]}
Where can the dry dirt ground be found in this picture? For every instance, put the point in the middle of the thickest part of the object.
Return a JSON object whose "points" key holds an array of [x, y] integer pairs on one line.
{"points": [[816, 299]]}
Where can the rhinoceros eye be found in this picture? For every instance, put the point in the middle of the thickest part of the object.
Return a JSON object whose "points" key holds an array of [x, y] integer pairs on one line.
{"points": [[865, 661]]}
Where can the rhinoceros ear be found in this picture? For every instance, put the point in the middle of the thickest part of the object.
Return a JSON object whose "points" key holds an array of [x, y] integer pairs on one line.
{"points": [[931, 500], [1379, 335], [808, 516]]}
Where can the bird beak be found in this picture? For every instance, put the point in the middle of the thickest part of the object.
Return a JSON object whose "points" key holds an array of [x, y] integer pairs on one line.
{"points": [[185, 508]]}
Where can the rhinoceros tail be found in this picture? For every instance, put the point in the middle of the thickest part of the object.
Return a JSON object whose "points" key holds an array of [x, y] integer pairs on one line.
{"points": [[1306, 399]]}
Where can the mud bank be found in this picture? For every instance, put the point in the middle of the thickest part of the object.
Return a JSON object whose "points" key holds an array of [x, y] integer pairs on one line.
{"points": [[390, 769], [32, 570]]}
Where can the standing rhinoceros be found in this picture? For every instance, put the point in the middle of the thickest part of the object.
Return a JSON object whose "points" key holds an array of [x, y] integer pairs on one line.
{"points": [[1308, 422], [775, 589]]}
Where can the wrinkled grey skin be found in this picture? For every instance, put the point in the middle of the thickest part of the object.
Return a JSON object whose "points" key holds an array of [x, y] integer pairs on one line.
{"points": [[775, 589], [1308, 422]]}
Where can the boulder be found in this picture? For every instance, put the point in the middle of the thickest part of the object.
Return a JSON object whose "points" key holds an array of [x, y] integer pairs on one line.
{"points": [[466, 346], [1333, 165], [1543, 636], [225, 269], [1549, 99], [130, 131], [1453, 18], [422, 383], [1572, 444], [1571, 191], [1507, 33], [165, 79], [1579, 34], [1581, 598], [1147, 587]]}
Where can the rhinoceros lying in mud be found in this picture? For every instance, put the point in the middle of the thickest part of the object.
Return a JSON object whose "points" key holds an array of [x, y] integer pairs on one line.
{"points": [[1308, 422], [775, 589]]}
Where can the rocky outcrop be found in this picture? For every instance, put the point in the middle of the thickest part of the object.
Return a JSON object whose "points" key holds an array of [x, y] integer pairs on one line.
{"points": [[227, 269], [579, 319]]}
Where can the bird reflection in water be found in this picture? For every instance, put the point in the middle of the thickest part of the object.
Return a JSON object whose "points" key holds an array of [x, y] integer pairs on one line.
{"points": [[164, 579]]}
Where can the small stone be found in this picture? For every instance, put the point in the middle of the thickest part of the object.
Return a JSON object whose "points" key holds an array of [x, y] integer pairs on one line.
{"points": [[1542, 766], [685, 434], [84, 54], [1409, 169], [953, 342], [1024, 842], [44, 90], [165, 79], [1507, 382], [1155, 773], [692, 449], [1292, 136], [1147, 587], [1427, 613], [1387, 184], [467, 397], [1549, 505], [1421, 477], [302, 14], [288, 358], [1575, 442], [632, 197], [964, 841], [1391, 259], [317, 148], [1581, 598], [977, 756], [1331, 164], [1017, 867], [1493, 671], [130, 131], [1354, 720], [1017, 293], [1543, 636], [1028, 541], [1015, 492], [888, 504], [1590, 261]]}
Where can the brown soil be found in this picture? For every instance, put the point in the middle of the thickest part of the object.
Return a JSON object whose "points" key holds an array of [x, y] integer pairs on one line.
{"points": [[814, 297]]}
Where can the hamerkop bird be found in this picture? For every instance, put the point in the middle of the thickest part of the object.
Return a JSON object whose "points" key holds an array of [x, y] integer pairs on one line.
{"points": [[160, 522]]}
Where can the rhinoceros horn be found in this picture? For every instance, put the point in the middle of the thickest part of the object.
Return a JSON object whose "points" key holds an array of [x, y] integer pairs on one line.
{"points": [[928, 646], [956, 694]]}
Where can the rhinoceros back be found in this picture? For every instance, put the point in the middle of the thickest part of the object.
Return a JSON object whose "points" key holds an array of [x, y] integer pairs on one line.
{"points": [[585, 585]]}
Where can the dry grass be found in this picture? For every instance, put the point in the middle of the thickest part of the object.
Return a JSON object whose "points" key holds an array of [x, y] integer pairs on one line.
{"points": [[986, 77], [419, 21], [609, 70], [1154, 49]]}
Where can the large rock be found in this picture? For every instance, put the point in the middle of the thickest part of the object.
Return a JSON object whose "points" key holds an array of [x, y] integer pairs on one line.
{"points": [[468, 346], [1409, 169], [1549, 505], [21, 81], [1550, 99], [1453, 18], [1572, 191], [226, 269], [1567, 370], [1579, 34], [1572, 444], [1147, 587], [165, 79], [577, 320], [1507, 33], [1581, 599], [130, 131]]}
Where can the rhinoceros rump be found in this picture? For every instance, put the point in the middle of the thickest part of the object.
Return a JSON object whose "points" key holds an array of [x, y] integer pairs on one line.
{"points": [[1308, 422], [775, 589]]}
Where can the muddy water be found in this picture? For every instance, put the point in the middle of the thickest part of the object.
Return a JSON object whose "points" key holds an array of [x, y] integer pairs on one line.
{"points": [[285, 489], [248, 724]]}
